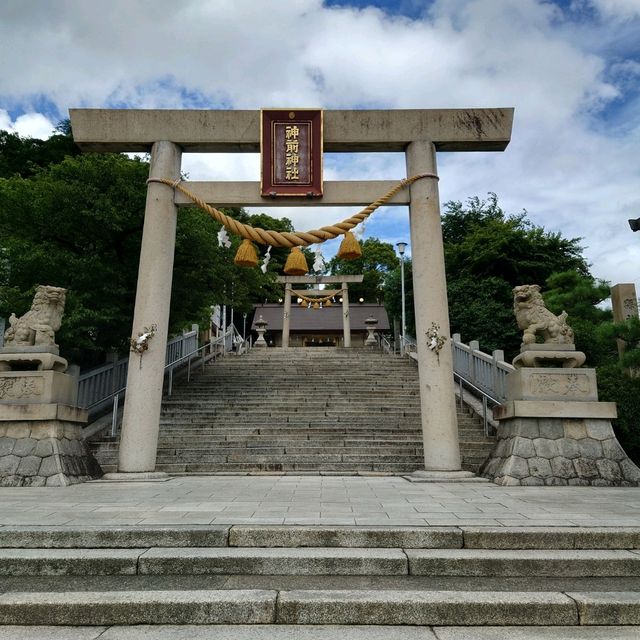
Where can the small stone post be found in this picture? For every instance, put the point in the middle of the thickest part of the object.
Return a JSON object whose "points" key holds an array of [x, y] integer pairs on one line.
{"points": [[371, 323], [141, 420], [435, 367], [346, 321], [261, 327], [624, 302], [286, 318], [625, 305]]}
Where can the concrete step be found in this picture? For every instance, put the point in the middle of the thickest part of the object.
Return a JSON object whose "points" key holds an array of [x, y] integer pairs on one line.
{"points": [[558, 579], [314, 561], [321, 632], [273, 536], [319, 607], [338, 411]]}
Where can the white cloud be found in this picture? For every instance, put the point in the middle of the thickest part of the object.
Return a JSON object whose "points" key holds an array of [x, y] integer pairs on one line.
{"points": [[573, 169], [28, 125]]}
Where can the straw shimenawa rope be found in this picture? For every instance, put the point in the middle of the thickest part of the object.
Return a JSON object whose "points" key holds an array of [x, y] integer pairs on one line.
{"points": [[292, 238]]}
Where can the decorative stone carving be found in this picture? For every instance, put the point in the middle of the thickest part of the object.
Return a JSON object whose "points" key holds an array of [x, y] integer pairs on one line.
{"points": [[37, 327], [549, 355], [534, 318], [20, 388]]}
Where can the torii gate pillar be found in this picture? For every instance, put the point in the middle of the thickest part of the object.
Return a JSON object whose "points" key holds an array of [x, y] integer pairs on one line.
{"points": [[437, 393]]}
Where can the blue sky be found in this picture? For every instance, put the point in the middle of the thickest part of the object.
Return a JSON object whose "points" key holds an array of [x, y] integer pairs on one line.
{"points": [[570, 68]]}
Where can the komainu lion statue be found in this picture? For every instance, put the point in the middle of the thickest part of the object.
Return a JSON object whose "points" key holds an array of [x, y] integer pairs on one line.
{"points": [[38, 326], [534, 318]]}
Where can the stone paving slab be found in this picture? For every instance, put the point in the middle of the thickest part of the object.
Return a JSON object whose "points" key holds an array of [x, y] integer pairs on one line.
{"points": [[220, 632], [363, 536], [551, 537], [334, 561], [94, 537], [608, 608], [517, 563], [59, 562], [322, 583], [425, 608], [536, 633], [318, 500], [316, 632], [139, 607]]}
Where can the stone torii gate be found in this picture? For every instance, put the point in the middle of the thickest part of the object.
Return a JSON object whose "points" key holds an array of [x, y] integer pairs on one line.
{"points": [[168, 133], [288, 281]]}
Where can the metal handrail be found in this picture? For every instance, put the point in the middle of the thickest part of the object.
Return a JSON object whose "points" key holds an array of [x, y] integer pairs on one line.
{"points": [[386, 346], [231, 332], [481, 373], [485, 397]]}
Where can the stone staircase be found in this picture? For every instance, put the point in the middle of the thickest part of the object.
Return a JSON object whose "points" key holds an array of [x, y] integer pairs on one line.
{"points": [[299, 411], [278, 579]]}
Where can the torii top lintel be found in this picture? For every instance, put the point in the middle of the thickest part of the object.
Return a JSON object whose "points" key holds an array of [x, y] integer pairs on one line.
{"points": [[119, 130]]}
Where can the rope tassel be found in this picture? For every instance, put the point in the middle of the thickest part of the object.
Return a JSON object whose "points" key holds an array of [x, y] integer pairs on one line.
{"points": [[296, 264], [349, 247], [247, 255]]}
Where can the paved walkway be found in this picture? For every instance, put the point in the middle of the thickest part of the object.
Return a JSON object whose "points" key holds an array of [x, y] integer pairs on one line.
{"points": [[322, 500]]}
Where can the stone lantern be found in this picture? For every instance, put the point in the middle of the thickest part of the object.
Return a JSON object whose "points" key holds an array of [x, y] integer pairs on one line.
{"points": [[261, 327], [371, 323]]}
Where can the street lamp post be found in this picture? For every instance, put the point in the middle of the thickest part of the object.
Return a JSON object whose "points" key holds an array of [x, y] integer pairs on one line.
{"points": [[401, 249]]}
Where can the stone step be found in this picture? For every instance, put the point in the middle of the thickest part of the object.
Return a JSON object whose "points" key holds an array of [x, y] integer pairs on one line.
{"points": [[317, 561], [323, 632], [534, 538], [294, 467], [338, 411], [319, 607]]}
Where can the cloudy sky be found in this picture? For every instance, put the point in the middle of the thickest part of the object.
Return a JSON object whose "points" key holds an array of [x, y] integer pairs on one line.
{"points": [[571, 69]]}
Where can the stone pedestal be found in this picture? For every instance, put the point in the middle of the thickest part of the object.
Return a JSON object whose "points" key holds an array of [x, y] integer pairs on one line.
{"points": [[42, 445], [41, 440], [553, 431]]}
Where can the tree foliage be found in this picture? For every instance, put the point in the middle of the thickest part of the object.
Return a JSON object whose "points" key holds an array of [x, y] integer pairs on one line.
{"points": [[487, 253], [76, 221]]}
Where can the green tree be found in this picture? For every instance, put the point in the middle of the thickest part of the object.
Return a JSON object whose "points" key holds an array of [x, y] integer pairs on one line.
{"points": [[77, 223], [579, 295], [25, 156], [487, 253], [393, 296]]}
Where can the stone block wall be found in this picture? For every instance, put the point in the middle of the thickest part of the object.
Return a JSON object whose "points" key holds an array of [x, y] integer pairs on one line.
{"points": [[557, 451], [51, 453]]}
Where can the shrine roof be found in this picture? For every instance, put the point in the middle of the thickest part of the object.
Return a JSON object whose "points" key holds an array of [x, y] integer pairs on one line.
{"points": [[325, 319]]}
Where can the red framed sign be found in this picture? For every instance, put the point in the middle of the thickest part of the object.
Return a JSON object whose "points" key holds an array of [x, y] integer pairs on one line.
{"points": [[291, 152]]}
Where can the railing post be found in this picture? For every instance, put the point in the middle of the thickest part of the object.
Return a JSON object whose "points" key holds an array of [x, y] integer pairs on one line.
{"points": [[484, 414], [474, 346], [497, 356], [114, 416]]}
